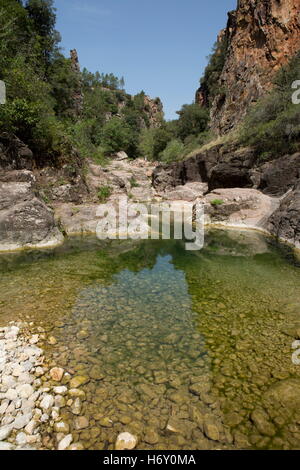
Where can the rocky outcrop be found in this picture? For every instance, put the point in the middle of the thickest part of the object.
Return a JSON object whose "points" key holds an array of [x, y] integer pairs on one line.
{"points": [[78, 93], [153, 108], [240, 207], [196, 168], [277, 176], [285, 221], [25, 221], [231, 167], [220, 167], [261, 35], [14, 154]]}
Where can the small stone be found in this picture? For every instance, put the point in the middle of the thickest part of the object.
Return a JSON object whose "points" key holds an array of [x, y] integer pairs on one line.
{"points": [[61, 426], [4, 406], [105, 422], [25, 378], [34, 339], [21, 421], [47, 402], [126, 441], [59, 401], [65, 442], [76, 406], [21, 438], [11, 394], [56, 374], [31, 426], [151, 437], [39, 371], [211, 430], [25, 390], [6, 446], [81, 423], [17, 370], [173, 425], [52, 340], [62, 390], [76, 446], [74, 392], [263, 423], [96, 374], [83, 334], [44, 418], [78, 381], [5, 432]]}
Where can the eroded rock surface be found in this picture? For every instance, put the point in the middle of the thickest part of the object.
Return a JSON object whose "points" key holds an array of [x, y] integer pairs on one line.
{"points": [[25, 220], [261, 37], [285, 221]]}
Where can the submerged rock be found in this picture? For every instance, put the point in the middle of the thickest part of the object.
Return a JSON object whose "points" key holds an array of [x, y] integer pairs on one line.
{"points": [[126, 441]]}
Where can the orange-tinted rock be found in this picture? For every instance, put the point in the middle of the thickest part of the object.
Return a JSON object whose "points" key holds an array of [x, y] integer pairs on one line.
{"points": [[262, 36]]}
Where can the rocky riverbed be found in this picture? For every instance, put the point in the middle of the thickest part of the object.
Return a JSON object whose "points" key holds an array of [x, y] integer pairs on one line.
{"points": [[32, 395]]}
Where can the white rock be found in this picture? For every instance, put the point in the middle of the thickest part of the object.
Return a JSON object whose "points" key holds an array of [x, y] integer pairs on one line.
{"points": [[25, 378], [47, 402], [39, 371], [44, 418], [31, 426], [21, 421], [8, 381], [11, 394], [65, 442], [18, 404], [34, 339], [6, 446], [21, 438], [4, 406], [24, 390], [61, 427], [126, 441], [5, 432], [12, 333], [18, 370], [62, 390]]}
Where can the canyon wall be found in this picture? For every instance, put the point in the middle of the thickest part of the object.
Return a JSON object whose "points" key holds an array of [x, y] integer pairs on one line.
{"points": [[261, 35]]}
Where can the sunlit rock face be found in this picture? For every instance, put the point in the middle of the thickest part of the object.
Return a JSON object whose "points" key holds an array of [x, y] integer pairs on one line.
{"points": [[262, 36]]}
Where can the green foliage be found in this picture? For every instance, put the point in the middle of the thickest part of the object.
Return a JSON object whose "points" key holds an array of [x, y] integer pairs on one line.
{"points": [[193, 119], [116, 136], [147, 143], [173, 151], [133, 182], [217, 202], [104, 193], [272, 126], [210, 80]]}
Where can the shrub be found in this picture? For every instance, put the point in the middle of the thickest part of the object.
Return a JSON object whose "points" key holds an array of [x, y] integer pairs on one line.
{"points": [[217, 202], [272, 126], [104, 193], [173, 151], [133, 182]]}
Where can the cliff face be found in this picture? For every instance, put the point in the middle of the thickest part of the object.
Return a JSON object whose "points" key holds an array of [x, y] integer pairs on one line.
{"points": [[154, 110], [262, 35]]}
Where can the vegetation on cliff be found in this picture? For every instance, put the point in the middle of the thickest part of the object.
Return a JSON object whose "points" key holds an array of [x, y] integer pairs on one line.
{"points": [[272, 126]]}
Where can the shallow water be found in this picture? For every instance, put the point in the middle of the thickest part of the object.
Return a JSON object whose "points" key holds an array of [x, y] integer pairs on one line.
{"points": [[187, 350]]}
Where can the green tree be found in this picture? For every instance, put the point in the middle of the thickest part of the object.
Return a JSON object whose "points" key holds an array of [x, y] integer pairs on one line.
{"points": [[116, 136], [193, 119], [173, 151]]}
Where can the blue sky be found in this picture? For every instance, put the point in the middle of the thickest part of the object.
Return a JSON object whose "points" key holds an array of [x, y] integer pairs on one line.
{"points": [[160, 47]]}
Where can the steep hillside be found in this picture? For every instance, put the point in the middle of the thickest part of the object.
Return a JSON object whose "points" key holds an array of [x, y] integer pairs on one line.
{"points": [[260, 37]]}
